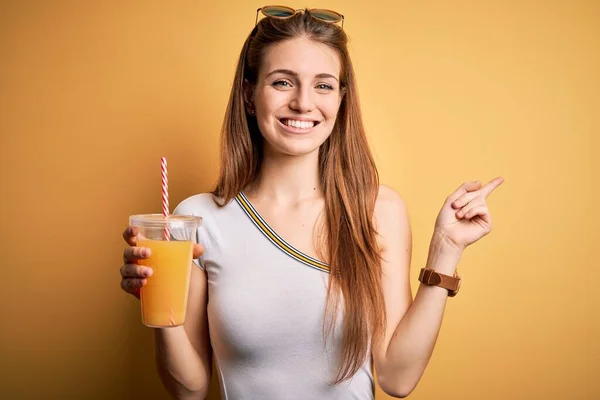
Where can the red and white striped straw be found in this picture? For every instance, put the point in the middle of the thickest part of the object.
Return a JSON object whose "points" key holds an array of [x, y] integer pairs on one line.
{"points": [[165, 195]]}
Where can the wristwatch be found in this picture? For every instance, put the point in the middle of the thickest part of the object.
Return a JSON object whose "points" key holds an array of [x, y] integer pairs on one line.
{"points": [[432, 278]]}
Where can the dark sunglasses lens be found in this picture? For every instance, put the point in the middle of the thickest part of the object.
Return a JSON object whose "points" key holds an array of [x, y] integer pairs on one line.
{"points": [[326, 15], [278, 11]]}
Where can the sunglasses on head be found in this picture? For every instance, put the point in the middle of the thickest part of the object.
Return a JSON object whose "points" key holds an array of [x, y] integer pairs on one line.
{"points": [[283, 12]]}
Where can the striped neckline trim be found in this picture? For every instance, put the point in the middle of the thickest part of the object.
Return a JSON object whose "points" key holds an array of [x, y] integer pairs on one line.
{"points": [[274, 238]]}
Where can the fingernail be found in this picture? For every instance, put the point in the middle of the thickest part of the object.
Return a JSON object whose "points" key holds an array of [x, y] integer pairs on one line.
{"points": [[147, 271], [144, 252]]}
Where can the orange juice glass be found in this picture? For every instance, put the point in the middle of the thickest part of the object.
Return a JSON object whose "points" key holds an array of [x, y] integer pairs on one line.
{"points": [[171, 242]]}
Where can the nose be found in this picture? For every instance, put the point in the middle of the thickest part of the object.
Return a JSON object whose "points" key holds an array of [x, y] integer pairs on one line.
{"points": [[302, 100]]}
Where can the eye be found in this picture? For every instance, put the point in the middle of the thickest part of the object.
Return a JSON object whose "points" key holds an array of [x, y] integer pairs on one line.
{"points": [[324, 87], [282, 83]]}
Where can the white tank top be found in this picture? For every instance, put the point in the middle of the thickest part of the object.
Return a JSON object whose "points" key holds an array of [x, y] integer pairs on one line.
{"points": [[266, 304]]}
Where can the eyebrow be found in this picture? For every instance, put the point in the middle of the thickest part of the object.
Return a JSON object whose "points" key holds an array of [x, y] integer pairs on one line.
{"points": [[295, 74]]}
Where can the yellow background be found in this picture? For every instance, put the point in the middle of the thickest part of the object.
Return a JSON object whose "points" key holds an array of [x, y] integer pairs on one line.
{"points": [[93, 93]]}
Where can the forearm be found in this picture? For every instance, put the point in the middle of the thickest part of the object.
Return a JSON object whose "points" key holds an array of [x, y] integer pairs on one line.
{"points": [[179, 365], [413, 341]]}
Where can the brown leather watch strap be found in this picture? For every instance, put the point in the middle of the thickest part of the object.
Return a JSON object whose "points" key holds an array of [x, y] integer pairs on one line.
{"points": [[431, 277]]}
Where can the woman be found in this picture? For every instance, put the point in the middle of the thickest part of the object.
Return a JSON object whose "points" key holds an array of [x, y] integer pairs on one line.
{"points": [[303, 271]]}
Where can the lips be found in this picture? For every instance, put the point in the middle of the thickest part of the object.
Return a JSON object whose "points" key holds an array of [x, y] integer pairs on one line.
{"points": [[299, 123], [292, 127]]}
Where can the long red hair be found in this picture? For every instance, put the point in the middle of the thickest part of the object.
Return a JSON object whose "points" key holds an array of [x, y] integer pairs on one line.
{"points": [[348, 178]]}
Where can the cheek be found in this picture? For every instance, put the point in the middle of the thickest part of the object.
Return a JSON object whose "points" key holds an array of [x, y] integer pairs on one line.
{"points": [[271, 100], [331, 107]]}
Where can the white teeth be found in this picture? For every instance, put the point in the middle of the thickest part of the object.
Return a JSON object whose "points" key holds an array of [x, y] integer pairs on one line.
{"points": [[299, 124]]}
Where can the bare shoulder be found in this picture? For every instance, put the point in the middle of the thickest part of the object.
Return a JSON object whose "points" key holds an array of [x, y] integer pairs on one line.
{"points": [[391, 217], [389, 203]]}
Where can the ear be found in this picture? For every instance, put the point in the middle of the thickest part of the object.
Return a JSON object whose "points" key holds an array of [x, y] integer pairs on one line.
{"points": [[248, 90]]}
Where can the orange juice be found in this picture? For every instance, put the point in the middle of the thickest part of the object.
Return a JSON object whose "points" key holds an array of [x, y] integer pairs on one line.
{"points": [[164, 297]]}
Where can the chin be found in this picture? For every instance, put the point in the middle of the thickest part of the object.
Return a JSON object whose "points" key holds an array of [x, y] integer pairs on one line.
{"points": [[297, 150], [294, 145]]}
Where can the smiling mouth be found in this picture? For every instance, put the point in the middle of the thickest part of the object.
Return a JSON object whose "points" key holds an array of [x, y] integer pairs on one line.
{"points": [[299, 124]]}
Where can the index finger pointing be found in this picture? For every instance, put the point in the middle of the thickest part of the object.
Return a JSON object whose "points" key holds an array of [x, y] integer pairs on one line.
{"points": [[489, 187]]}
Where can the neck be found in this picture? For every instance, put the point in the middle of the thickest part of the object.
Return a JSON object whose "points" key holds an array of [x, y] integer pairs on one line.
{"points": [[288, 179]]}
